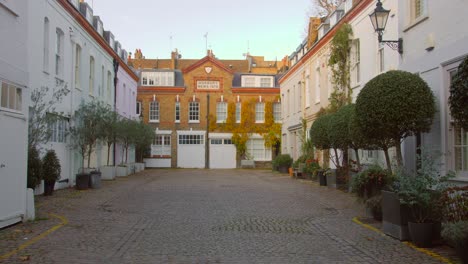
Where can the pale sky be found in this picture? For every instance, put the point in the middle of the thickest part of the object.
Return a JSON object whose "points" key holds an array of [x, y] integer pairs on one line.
{"points": [[268, 28]]}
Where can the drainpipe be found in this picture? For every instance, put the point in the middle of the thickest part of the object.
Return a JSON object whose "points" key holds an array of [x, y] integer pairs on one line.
{"points": [[116, 68]]}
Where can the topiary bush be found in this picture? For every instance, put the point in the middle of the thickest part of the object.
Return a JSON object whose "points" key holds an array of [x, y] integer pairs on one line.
{"points": [[319, 132], [51, 166], [395, 105], [459, 95], [34, 168], [283, 160]]}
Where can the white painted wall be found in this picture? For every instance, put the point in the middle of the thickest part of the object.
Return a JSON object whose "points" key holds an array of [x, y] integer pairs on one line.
{"points": [[291, 91], [74, 35], [444, 24], [13, 135]]}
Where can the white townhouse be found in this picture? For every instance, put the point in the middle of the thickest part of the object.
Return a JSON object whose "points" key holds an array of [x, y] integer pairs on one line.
{"points": [[435, 41], [306, 87], [14, 101], [69, 47]]}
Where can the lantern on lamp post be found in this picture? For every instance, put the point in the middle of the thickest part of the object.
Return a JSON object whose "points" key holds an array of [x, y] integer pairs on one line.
{"points": [[379, 20]]}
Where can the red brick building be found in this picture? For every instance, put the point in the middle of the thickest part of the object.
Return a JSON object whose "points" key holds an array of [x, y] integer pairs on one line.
{"points": [[175, 95]]}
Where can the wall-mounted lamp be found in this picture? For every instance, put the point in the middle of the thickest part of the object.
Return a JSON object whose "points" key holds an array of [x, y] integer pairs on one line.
{"points": [[379, 20]]}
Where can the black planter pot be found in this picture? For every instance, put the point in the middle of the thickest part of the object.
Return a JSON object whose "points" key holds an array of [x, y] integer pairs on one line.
{"points": [[82, 181], [49, 187], [283, 169], [421, 233], [322, 178], [395, 216]]}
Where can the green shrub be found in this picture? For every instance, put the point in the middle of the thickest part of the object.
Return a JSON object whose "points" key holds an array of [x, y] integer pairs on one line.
{"points": [[34, 168], [393, 106], [456, 233], [319, 132], [283, 160], [370, 182], [51, 166]]}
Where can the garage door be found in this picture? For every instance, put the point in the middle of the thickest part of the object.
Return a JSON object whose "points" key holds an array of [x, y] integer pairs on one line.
{"points": [[191, 149], [222, 153]]}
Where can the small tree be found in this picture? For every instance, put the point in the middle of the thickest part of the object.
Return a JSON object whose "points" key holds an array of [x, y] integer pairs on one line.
{"points": [[126, 133], [393, 106], [459, 95], [79, 141], [42, 113], [108, 130], [143, 138], [51, 166], [34, 168]]}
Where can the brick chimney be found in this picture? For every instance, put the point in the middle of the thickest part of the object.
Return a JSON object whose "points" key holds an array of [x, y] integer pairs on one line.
{"points": [[314, 23], [174, 58]]}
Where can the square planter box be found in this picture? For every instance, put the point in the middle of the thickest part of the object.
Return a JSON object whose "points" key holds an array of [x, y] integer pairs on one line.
{"points": [[141, 166], [108, 173], [395, 216], [121, 171], [131, 168]]}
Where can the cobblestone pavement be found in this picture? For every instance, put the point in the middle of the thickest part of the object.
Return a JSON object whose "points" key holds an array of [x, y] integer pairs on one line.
{"points": [[205, 216]]}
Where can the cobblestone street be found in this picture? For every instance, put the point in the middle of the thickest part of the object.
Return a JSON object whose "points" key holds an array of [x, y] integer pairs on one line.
{"points": [[205, 216]]}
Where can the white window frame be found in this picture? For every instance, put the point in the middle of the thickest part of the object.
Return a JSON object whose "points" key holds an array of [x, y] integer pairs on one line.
{"points": [[307, 91], [221, 112], [59, 36], [191, 139], [418, 10], [161, 78], [194, 112], [161, 145], [177, 112], [355, 62], [317, 84], [265, 82], [257, 150], [138, 108], [277, 112], [109, 85], [58, 130], [45, 62], [238, 112], [249, 81], [77, 67], [260, 112], [381, 59], [92, 63], [154, 113], [11, 97], [101, 87]]}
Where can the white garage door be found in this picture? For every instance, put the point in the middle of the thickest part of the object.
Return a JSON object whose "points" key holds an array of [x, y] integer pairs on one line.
{"points": [[222, 153], [191, 149]]}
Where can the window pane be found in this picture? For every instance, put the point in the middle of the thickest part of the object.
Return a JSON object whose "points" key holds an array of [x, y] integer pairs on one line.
{"points": [[19, 99], [4, 95], [11, 97]]}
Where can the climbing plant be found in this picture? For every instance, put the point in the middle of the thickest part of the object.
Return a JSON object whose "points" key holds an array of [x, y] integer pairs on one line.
{"points": [[242, 131], [340, 51]]}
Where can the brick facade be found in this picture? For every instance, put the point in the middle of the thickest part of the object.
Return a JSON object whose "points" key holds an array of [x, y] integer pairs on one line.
{"points": [[222, 72]]}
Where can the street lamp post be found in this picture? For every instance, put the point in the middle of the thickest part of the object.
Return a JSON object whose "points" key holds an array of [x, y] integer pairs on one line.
{"points": [[207, 142], [379, 20]]}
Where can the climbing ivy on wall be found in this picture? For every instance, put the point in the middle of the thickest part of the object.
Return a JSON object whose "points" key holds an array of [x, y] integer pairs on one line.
{"points": [[242, 131], [340, 66]]}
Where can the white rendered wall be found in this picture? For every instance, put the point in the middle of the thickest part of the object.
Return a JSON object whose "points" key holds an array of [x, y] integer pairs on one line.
{"points": [[13, 136]]}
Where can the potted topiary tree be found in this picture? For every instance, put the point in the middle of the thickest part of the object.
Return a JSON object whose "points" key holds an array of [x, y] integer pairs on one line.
{"points": [[51, 171], [319, 137], [284, 162], [393, 106]]}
